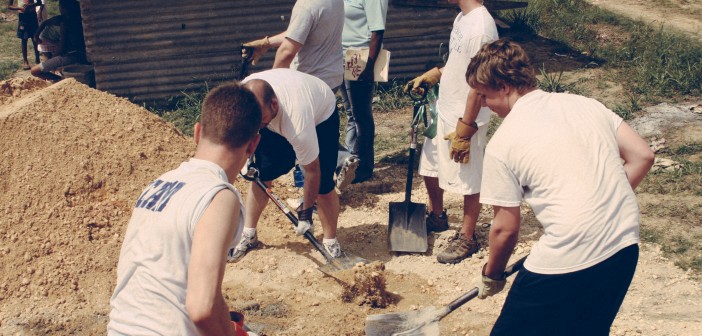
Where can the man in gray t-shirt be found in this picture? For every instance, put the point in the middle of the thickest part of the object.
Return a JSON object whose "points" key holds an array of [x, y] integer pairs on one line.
{"points": [[312, 42]]}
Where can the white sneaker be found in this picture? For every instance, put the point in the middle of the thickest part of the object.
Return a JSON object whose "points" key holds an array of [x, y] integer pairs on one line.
{"points": [[247, 243], [347, 172], [334, 249]]}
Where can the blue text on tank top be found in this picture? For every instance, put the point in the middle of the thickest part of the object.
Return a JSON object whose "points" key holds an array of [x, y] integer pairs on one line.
{"points": [[157, 195]]}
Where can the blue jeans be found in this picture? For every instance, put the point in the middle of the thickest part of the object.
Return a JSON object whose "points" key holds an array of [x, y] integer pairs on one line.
{"points": [[360, 128]]}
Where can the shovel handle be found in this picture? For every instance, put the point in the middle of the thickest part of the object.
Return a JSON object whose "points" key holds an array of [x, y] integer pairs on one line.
{"points": [[292, 218], [245, 60], [511, 269]]}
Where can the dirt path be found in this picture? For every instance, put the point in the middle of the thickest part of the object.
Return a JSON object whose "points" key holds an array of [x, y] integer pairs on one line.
{"points": [[680, 15]]}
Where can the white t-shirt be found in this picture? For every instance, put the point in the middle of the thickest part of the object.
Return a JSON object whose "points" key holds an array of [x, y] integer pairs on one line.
{"points": [[152, 272], [469, 33], [317, 25], [559, 151], [305, 101]]}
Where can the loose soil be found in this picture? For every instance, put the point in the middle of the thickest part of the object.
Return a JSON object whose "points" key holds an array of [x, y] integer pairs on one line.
{"points": [[75, 159]]}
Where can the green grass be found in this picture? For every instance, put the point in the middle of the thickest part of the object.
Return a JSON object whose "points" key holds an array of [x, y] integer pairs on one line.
{"points": [[185, 111]]}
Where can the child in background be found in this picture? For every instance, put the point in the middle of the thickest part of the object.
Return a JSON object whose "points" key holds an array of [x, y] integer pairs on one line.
{"points": [[27, 25]]}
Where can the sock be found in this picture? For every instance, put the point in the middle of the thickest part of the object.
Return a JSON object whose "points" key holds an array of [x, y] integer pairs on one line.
{"points": [[329, 241], [249, 232]]}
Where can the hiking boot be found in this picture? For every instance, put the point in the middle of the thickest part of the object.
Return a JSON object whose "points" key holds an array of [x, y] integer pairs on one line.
{"points": [[347, 172], [437, 223], [245, 244], [334, 249], [459, 248]]}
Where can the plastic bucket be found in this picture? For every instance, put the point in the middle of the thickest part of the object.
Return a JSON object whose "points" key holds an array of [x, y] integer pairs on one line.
{"points": [[83, 73]]}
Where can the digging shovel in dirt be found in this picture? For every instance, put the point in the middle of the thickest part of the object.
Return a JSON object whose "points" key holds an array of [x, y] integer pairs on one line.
{"points": [[344, 262], [423, 322], [407, 228]]}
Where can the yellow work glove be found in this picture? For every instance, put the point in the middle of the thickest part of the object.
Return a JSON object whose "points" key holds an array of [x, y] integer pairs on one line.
{"points": [[260, 47], [460, 141], [488, 286], [430, 77]]}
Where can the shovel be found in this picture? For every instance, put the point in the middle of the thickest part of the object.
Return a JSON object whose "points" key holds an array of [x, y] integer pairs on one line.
{"points": [[423, 322], [344, 262], [407, 228], [245, 61]]}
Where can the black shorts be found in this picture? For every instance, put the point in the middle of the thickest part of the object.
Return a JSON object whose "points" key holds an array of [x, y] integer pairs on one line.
{"points": [[27, 25], [582, 303], [275, 156]]}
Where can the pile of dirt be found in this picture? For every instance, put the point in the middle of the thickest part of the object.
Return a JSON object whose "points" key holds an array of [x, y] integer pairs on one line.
{"points": [[367, 286], [74, 159], [16, 87]]}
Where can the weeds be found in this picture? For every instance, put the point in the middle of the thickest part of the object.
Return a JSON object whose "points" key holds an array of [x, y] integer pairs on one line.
{"points": [[186, 111], [630, 107], [391, 97]]}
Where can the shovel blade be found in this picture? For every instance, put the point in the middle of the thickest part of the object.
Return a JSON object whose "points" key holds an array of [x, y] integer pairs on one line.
{"points": [[423, 322], [344, 262], [407, 229]]}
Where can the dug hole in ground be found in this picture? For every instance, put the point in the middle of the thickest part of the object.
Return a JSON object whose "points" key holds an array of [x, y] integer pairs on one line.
{"points": [[75, 159]]}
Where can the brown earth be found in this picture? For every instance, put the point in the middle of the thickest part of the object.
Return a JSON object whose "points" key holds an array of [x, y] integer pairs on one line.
{"points": [[75, 159]]}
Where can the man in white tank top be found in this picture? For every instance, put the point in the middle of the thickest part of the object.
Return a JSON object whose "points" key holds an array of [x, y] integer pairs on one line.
{"points": [[576, 163], [174, 252]]}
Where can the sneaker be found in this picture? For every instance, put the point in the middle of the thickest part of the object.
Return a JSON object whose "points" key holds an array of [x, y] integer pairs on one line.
{"points": [[247, 243], [334, 249], [347, 173], [437, 223], [459, 248]]}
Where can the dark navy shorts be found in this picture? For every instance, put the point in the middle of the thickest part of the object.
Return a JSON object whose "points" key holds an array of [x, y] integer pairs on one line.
{"points": [[275, 156], [582, 303]]}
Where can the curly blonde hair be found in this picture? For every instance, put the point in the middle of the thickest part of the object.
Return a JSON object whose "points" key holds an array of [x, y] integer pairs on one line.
{"points": [[499, 64]]}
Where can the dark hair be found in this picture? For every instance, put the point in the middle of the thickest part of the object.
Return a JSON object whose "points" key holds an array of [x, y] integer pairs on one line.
{"points": [[230, 115], [499, 64]]}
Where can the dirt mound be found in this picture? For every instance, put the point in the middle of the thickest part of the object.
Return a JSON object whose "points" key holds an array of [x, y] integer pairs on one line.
{"points": [[367, 287], [16, 87], [74, 158]]}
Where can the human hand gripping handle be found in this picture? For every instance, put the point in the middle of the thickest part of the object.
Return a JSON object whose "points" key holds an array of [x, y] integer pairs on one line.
{"points": [[460, 141], [489, 286], [428, 78], [260, 47], [304, 221]]}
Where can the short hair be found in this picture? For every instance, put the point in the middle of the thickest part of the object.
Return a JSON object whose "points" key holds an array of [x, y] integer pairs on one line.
{"points": [[262, 88], [499, 64], [230, 115]]}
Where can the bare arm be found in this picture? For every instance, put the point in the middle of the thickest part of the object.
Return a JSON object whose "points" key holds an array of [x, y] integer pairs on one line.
{"points": [[374, 47], [286, 53], [637, 155], [277, 40], [503, 237], [470, 114], [213, 234], [313, 176]]}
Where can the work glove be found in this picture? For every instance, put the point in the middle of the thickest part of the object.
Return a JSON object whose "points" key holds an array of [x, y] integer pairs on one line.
{"points": [[304, 221], [260, 47], [460, 141], [430, 77], [488, 286]]}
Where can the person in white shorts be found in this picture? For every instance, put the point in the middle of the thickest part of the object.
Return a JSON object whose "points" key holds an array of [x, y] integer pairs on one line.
{"points": [[174, 253], [576, 163], [301, 123], [452, 161]]}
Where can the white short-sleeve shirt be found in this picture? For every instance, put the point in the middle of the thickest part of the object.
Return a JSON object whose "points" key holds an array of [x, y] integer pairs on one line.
{"points": [[305, 101], [559, 152]]}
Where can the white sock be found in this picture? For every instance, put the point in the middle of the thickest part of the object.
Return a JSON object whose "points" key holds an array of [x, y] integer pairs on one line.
{"points": [[249, 232], [329, 241]]}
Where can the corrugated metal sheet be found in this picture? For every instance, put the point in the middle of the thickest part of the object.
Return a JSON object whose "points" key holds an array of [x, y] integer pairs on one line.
{"points": [[152, 50]]}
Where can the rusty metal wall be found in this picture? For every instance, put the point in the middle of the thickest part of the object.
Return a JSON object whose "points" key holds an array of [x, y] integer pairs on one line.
{"points": [[152, 50]]}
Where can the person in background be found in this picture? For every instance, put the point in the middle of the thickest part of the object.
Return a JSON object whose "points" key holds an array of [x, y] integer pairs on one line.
{"points": [[299, 119], [453, 160], [174, 253], [576, 163], [27, 25], [364, 26], [71, 48]]}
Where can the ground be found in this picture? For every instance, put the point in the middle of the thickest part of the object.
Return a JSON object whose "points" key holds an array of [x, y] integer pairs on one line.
{"points": [[75, 159]]}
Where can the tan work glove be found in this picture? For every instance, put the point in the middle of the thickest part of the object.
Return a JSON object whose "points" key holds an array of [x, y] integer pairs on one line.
{"points": [[488, 286], [260, 47], [430, 77], [460, 141]]}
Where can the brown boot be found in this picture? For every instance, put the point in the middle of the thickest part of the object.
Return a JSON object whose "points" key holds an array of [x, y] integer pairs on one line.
{"points": [[459, 248], [437, 223]]}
